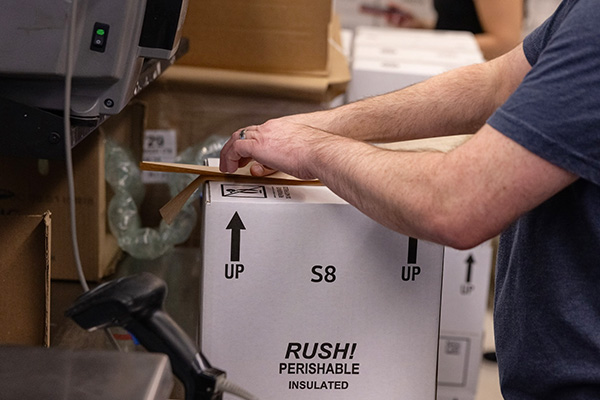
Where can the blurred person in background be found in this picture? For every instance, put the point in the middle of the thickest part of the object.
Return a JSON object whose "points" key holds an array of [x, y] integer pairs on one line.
{"points": [[497, 24]]}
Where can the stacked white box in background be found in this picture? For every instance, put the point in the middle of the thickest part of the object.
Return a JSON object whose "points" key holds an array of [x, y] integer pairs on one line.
{"points": [[304, 297], [387, 59], [465, 297]]}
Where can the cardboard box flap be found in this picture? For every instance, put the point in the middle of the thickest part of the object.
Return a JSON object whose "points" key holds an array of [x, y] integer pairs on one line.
{"points": [[25, 271], [170, 210]]}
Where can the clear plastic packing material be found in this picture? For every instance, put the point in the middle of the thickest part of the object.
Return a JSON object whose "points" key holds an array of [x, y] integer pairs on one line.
{"points": [[124, 177]]}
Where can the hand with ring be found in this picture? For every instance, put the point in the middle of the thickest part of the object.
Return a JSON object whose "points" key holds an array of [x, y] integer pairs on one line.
{"points": [[277, 145], [256, 169]]}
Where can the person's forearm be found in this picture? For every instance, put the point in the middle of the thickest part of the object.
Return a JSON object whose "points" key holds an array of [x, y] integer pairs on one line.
{"points": [[458, 199], [456, 102], [388, 186], [430, 194]]}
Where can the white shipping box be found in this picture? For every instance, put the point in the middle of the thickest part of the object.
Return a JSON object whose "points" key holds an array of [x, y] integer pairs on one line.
{"points": [[375, 77], [304, 297], [430, 56], [465, 292], [384, 59], [457, 41]]}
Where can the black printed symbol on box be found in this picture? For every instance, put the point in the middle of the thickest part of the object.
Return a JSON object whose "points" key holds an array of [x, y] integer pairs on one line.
{"points": [[245, 191], [453, 347], [453, 361]]}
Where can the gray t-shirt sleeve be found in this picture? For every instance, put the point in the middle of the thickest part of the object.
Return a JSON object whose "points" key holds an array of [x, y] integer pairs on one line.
{"points": [[555, 112]]}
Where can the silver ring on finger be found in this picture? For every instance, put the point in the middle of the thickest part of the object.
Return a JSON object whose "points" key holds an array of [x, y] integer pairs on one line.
{"points": [[243, 134]]}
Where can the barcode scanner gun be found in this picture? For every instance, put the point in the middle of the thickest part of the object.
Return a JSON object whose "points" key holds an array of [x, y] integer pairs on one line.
{"points": [[136, 304]]}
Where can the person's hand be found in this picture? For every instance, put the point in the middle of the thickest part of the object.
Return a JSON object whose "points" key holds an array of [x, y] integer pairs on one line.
{"points": [[400, 17], [394, 14], [277, 145], [257, 169]]}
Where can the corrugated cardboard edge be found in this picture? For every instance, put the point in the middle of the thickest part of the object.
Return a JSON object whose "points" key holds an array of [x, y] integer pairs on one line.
{"points": [[20, 266], [47, 221], [170, 210]]}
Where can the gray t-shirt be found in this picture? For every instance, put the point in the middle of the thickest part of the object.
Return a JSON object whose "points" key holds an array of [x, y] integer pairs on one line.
{"points": [[547, 307]]}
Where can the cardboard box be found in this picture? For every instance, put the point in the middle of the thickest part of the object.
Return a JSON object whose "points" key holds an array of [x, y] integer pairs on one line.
{"points": [[387, 59], [391, 59], [465, 298], [34, 186], [311, 87], [444, 57], [467, 275], [375, 77], [25, 283], [260, 35], [415, 39], [196, 117], [185, 100], [305, 297]]}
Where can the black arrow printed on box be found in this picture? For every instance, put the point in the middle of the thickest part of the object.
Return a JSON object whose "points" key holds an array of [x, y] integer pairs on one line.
{"points": [[236, 225], [470, 261], [412, 250]]}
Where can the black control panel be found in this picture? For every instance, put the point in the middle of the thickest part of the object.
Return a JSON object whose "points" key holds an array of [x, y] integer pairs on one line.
{"points": [[99, 37]]}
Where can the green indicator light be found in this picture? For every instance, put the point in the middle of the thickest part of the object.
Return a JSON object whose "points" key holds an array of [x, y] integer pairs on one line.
{"points": [[100, 32]]}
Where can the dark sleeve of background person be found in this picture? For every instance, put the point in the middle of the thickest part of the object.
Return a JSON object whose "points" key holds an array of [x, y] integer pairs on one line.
{"points": [[457, 15]]}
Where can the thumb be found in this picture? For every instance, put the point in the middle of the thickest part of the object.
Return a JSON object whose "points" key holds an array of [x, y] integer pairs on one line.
{"points": [[258, 169]]}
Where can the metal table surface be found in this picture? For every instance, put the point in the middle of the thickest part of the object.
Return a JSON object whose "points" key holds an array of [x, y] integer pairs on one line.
{"points": [[39, 373], [179, 268]]}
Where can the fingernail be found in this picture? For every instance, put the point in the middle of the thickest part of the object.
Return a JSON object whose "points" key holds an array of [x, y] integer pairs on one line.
{"points": [[257, 170]]}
